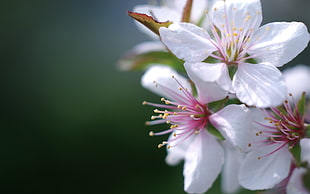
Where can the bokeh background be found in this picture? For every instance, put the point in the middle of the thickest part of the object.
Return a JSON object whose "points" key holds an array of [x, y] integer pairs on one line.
{"points": [[70, 121]]}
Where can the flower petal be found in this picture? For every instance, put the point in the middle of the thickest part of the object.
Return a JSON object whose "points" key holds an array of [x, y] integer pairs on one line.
{"points": [[211, 80], [261, 85], [231, 167], [297, 80], [203, 163], [187, 41], [158, 79], [234, 123], [238, 14], [279, 42], [305, 150], [176, 153], [265, 173], [295, 184]]}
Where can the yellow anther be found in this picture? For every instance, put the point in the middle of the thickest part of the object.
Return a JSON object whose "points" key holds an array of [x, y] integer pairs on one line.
{"points": [[159, 146], [267, 28], [234, 29], [259, 158], [179, 106], [147, 123], [165, 115], [184, 108], [144, 103], [222, 25], [235, 34], [156, 111], [174, 134], [240, 29], [250, 145], [196, 132], [168, 122], [175, 113], [153, 117], [151, 133], [162, 99], [168, 146]]}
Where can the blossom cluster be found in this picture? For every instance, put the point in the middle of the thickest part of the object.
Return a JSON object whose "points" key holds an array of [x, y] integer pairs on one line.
{"points": [[226, 105]]}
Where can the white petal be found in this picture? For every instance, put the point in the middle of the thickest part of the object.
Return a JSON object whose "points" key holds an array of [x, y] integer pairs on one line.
{"points": [[305, 150], [261, 85], [231, 167], [279, 42], [175, 154], [162, 76], [234, 123], [187, 41], [265, 173], [297, 80], [237, 13], [211, 80], [203, 163], [295, 184]]}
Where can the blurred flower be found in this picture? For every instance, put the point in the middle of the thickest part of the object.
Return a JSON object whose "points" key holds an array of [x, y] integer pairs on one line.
{"points": [[189, 118], [237, 41]]}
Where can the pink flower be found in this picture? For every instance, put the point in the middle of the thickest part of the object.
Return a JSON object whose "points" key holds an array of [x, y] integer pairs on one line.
{"points": [[189, 118], [275, 133]]}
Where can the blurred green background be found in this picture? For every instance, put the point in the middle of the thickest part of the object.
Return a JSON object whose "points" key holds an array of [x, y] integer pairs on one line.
{"points": [[70, 121]]}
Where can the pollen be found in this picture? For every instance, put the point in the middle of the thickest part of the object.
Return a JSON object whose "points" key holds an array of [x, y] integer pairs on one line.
{"points": [[151, 133]]}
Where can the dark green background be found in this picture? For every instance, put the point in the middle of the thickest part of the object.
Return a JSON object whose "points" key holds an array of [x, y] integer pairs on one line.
{"points": [[70, 121]]}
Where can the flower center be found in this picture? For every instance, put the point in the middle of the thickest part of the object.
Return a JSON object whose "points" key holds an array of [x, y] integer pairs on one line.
{"points": [[232, 34], [286, 127], [186, 116]]}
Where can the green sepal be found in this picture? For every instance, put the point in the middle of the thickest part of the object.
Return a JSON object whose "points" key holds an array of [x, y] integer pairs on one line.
{"points": [[307, 130], [217, 105], [187, 11], [149, 21], [142, 61], [232, 70], [306, 178], [211, 129], [296, 152], [301, 105]]}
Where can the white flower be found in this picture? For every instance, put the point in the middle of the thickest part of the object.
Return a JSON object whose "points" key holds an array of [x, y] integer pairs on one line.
{"points": [[189, 117], [236, 39]]}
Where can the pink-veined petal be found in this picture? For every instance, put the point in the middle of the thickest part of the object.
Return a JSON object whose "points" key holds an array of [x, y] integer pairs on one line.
{"points": [[234, 123], [211, 80], [176, 153], [187, 41], [279, 42], [261, 85], [159, 75], [265, 173], [203, 163]]}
